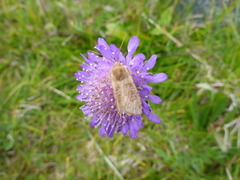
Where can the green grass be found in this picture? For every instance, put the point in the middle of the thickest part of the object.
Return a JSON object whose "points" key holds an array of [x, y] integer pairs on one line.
{"points": [[43, 134]]}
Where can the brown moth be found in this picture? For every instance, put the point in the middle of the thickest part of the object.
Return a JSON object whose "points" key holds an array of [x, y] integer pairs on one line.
{"points": [[124, 90]]}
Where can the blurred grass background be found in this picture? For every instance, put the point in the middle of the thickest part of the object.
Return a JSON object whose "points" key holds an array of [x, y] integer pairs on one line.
{"points": [[43, 134]]}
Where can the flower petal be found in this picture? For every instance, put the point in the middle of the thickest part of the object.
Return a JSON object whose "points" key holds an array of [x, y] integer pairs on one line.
{"points": [[102, 42], [133, 44], [155, 99], [95, 121], [120, 58], [134, 125], [138, 59], [149, 88], [102, 131], [113, 48], [93, 57], [143, 93], [106, 53], [86, 59], [146, 108], [125, 128], [86, 110], [157, 78], [151, 62], [86, 67], [81, 75], [133, 133], [153, 117], [110, 131]]}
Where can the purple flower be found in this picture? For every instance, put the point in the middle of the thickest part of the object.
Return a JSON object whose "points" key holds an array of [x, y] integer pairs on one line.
{"points": [[96, 88]]}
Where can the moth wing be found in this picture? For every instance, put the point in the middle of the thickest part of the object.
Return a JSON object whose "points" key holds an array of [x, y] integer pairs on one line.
{"points": [[131, 103]]}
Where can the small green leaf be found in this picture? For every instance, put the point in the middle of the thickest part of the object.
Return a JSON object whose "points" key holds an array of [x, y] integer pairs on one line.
{"points": [[166, 17], [220, 102]]}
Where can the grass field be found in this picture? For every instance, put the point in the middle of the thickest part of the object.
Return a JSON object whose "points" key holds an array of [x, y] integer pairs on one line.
{"points": [[43, 134]]}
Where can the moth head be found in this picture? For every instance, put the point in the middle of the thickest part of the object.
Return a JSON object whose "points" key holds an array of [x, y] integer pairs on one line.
{"points": [[119, 72]]}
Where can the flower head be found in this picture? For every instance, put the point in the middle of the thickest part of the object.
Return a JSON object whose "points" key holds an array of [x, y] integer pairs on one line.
{"points": [[97, 90]]}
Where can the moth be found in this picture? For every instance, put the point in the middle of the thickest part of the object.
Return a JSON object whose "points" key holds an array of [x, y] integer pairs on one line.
{"points": [[125, 91]]}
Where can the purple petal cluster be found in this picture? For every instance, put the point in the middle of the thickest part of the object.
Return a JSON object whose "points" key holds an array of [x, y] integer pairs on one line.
{"points": [[96, 91]]}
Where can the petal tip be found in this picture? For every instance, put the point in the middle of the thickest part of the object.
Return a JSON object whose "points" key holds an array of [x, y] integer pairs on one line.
{"points": [[154, 118]]}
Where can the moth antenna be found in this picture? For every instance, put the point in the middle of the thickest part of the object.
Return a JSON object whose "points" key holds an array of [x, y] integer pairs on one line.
{"points": [[122, 42], [120, 48]]}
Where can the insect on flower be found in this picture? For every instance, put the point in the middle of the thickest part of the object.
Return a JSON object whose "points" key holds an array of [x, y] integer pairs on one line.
{"points": [[124, 90], [114, 88]]}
